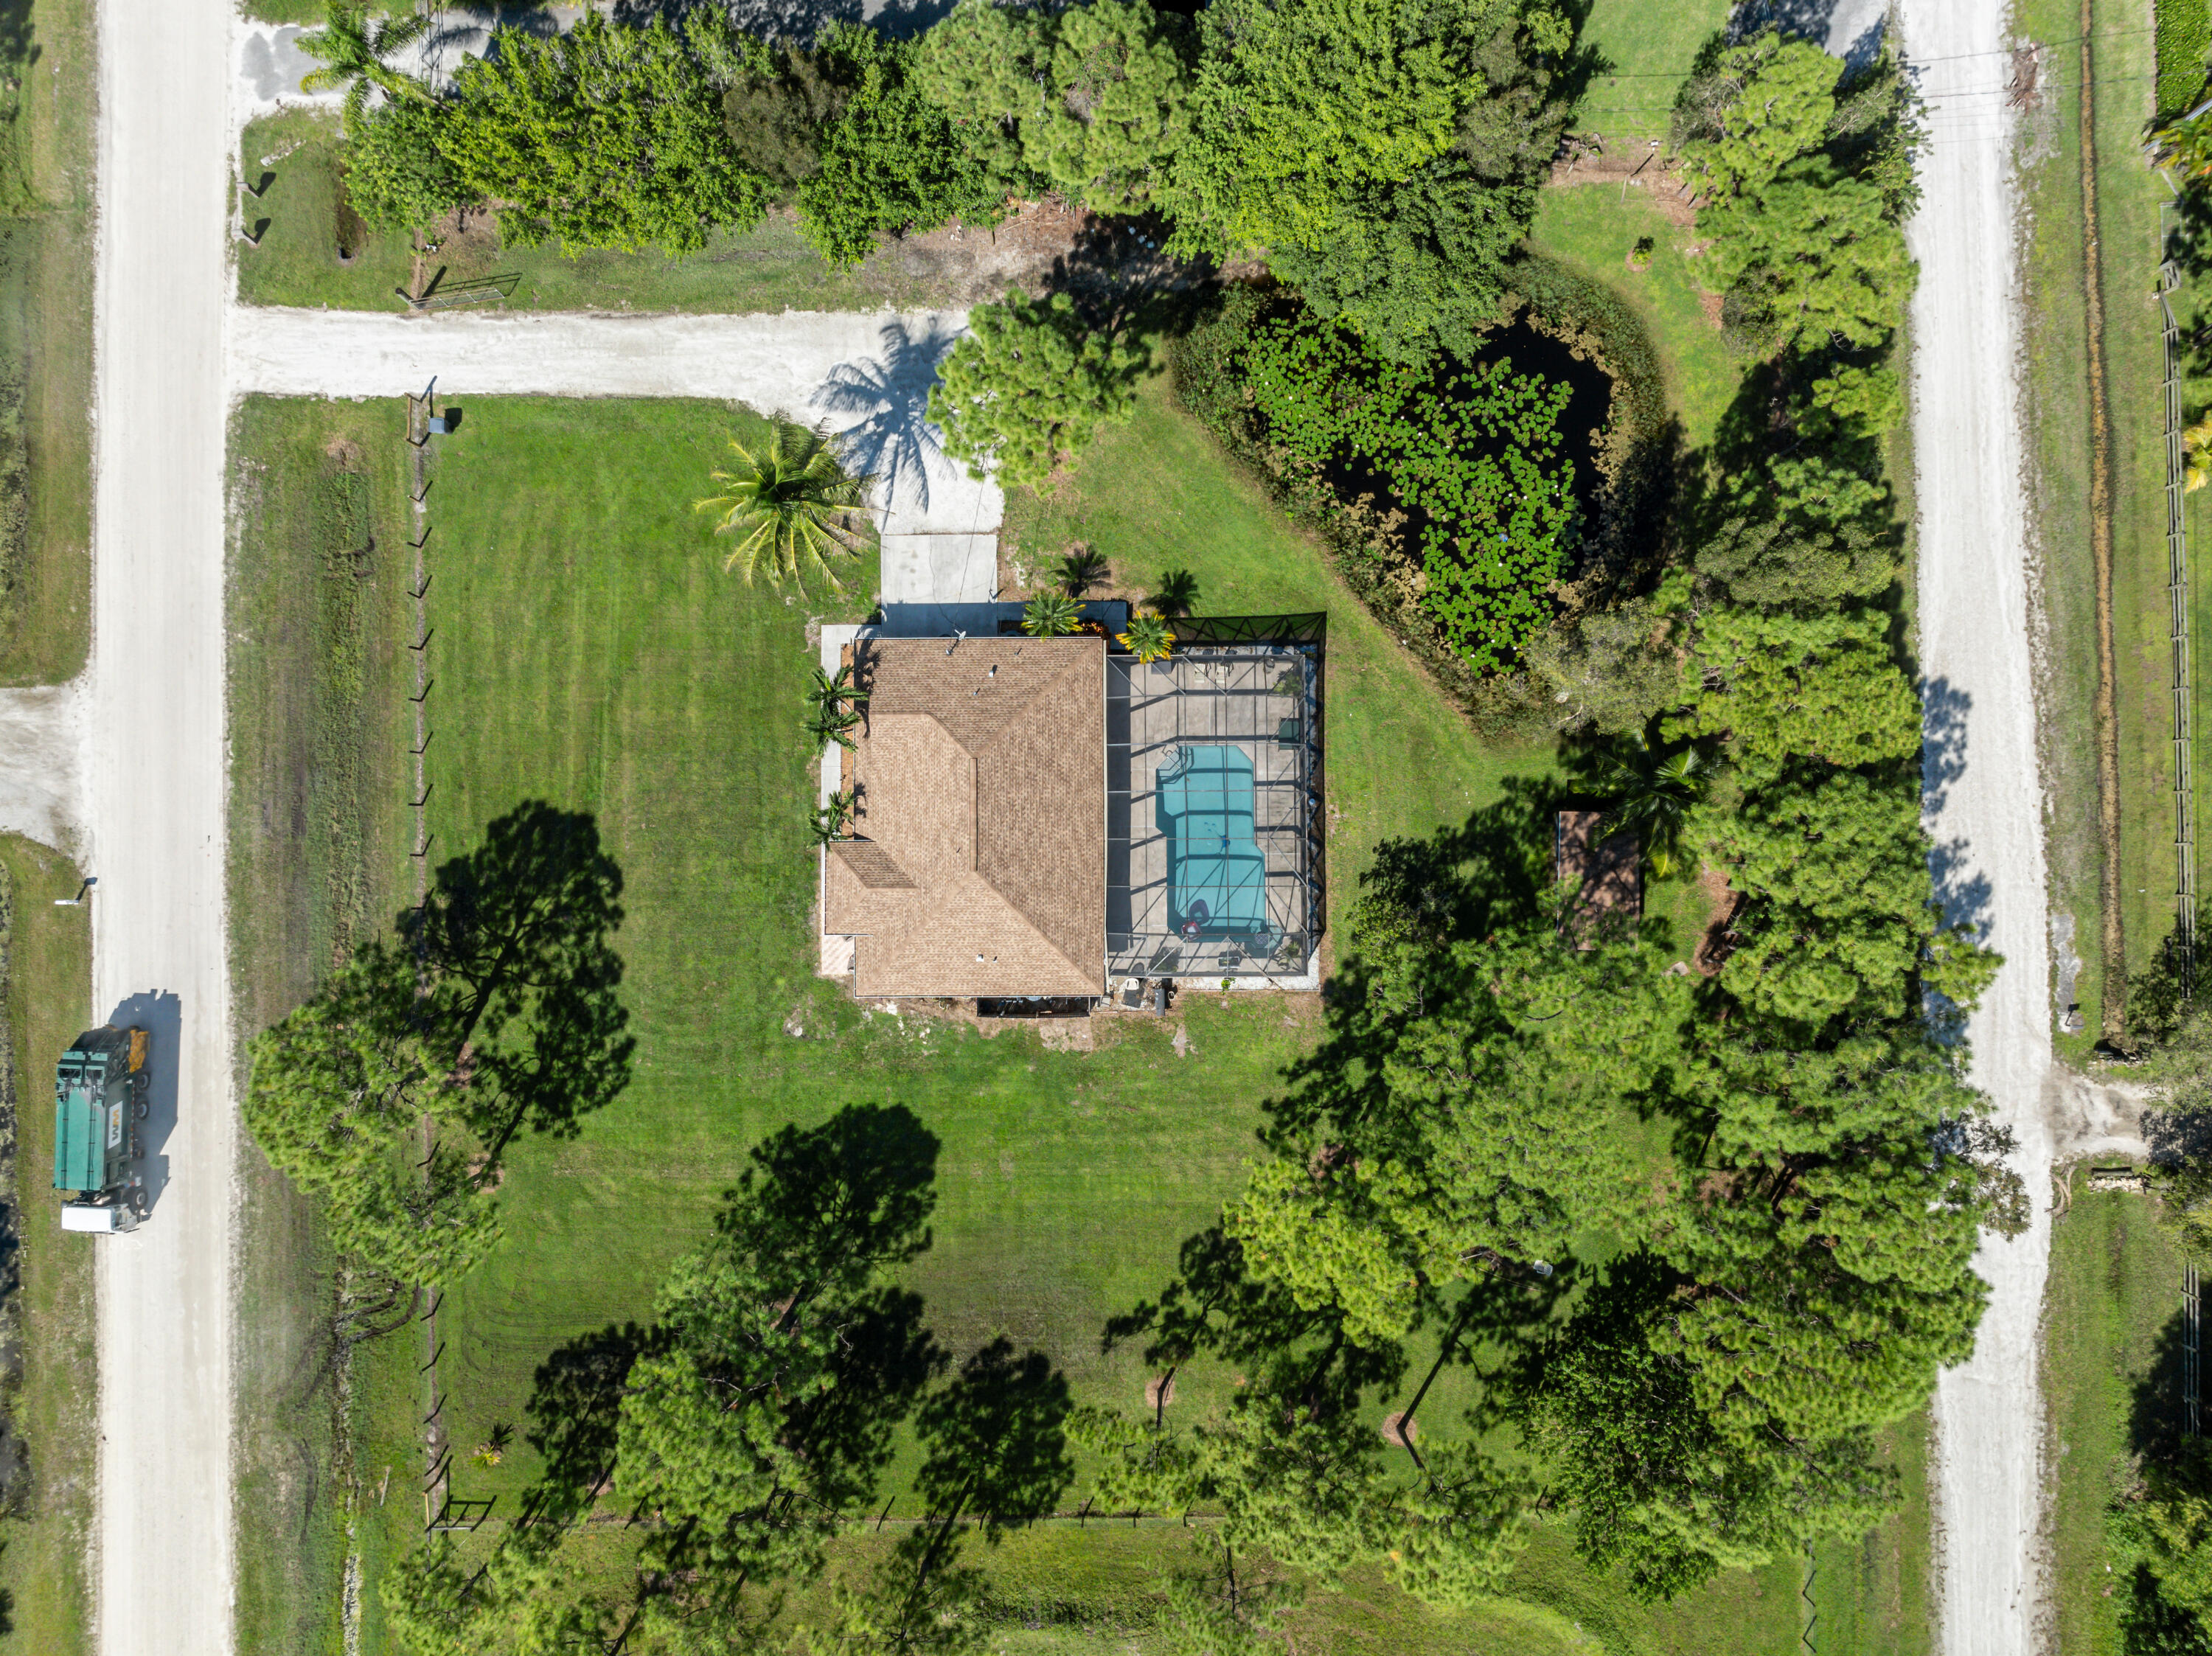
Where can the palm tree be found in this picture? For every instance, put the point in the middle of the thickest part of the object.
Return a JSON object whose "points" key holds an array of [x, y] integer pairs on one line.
{"points": [[833, 725], [793, 496], [353, 50], [1050, 614], [1149, 637], [829, 823], [829, 696], [1654, 789]]}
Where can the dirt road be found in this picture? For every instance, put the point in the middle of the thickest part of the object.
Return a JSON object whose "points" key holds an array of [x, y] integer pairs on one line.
{"points": [[153, 798], [1983, 796]]}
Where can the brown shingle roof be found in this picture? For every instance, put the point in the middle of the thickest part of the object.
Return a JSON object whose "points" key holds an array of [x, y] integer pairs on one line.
{"points": [[983, 805]]}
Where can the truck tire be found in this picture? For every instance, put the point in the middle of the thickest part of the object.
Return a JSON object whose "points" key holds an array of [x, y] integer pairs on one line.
{"points": [[138, 1203], [144, 1109]]}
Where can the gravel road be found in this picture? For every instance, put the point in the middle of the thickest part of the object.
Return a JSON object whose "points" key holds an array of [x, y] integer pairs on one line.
{"points": [[1984, 796], [154, 798]]}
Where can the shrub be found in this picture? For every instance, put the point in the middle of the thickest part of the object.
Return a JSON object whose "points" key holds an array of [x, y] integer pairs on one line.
{"points": [[396, 177], [606, 136], [894, 162]]}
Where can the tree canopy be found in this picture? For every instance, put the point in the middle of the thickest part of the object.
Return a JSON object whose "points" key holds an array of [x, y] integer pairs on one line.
{"points": [[1027, 386], [497, 1010]]}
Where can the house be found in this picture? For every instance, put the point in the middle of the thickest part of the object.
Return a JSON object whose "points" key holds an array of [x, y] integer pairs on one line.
{"points": [[980, 868], [1036, 818]]}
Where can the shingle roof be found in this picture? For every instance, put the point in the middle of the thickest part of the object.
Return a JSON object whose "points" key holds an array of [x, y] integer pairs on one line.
{"points": [[982, 805]]}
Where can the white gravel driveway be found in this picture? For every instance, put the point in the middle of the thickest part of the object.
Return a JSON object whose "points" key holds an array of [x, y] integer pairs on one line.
{"points": [[1984, 796]]}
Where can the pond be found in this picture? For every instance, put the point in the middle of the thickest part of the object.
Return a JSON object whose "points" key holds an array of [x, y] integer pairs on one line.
{"points": [[1530, 351]]}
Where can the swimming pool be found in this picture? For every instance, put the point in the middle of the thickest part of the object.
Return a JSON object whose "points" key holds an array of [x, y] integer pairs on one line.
{"points": [[1216, 877]]}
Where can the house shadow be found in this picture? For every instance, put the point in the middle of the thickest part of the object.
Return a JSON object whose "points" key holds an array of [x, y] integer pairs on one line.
{"points": [[161, 1015]]}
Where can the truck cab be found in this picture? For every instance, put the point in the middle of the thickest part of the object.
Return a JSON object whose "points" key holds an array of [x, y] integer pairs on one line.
{"points": [[100, 1101]]}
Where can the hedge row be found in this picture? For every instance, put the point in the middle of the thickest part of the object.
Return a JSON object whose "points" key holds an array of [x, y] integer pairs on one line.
{"points": [[2184, 43]]}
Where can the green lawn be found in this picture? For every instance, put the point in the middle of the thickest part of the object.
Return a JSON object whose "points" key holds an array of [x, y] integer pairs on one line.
{"points": [[767, 268], [588, 651], [1158, 495], [317, 851], [2129, 198], [44, 1539], [1592, 230], [2110, 1334], [45, 355], [1642, 53]]}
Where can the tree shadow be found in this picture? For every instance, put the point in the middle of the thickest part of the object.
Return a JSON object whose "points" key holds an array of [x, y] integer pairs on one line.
{"points": [[574, 1411], [835, 1203], [996, 1440], [522, 979], [1176, 593], [2157, 1423], [2149, 1626], [1121, 278], [893, 440]]}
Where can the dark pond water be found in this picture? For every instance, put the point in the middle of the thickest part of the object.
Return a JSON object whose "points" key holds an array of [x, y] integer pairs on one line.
{"points": [[1530, 352]]}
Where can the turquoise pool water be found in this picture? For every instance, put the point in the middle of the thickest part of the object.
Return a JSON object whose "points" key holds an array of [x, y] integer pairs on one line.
{"points": [[1216, 878]]}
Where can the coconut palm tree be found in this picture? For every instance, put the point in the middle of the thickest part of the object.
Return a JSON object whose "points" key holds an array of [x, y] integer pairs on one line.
{"points": [[353, 51], [1149, 638], [793, 496], [1653, 790], [1050, 614]]}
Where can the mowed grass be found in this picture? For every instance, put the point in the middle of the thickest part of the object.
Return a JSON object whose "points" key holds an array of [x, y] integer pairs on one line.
{"points": [[588, 651], [2111, 1372], [1592, 230], [45, 348], [317, 850], [2059, 424], [1641, 52], [769, 268], [45, 1540]]}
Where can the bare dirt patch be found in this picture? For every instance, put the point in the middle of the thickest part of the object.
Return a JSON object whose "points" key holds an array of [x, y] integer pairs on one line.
{"points": [[1713, 945], [1159, 1392], [1633, 168]]}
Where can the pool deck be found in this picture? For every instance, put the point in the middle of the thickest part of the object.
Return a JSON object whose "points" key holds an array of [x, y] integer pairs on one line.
{"points": [[1204, 696]]}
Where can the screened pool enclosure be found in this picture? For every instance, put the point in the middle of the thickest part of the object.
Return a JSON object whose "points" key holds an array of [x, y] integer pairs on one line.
{"points": [[1214, 790]]}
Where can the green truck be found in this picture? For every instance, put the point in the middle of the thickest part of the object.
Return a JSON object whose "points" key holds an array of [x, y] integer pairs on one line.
{"points": [[100, 1100]]}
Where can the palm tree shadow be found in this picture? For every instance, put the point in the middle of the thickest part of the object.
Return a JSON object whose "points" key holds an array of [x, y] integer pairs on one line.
{"points": [[893, 440]]}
